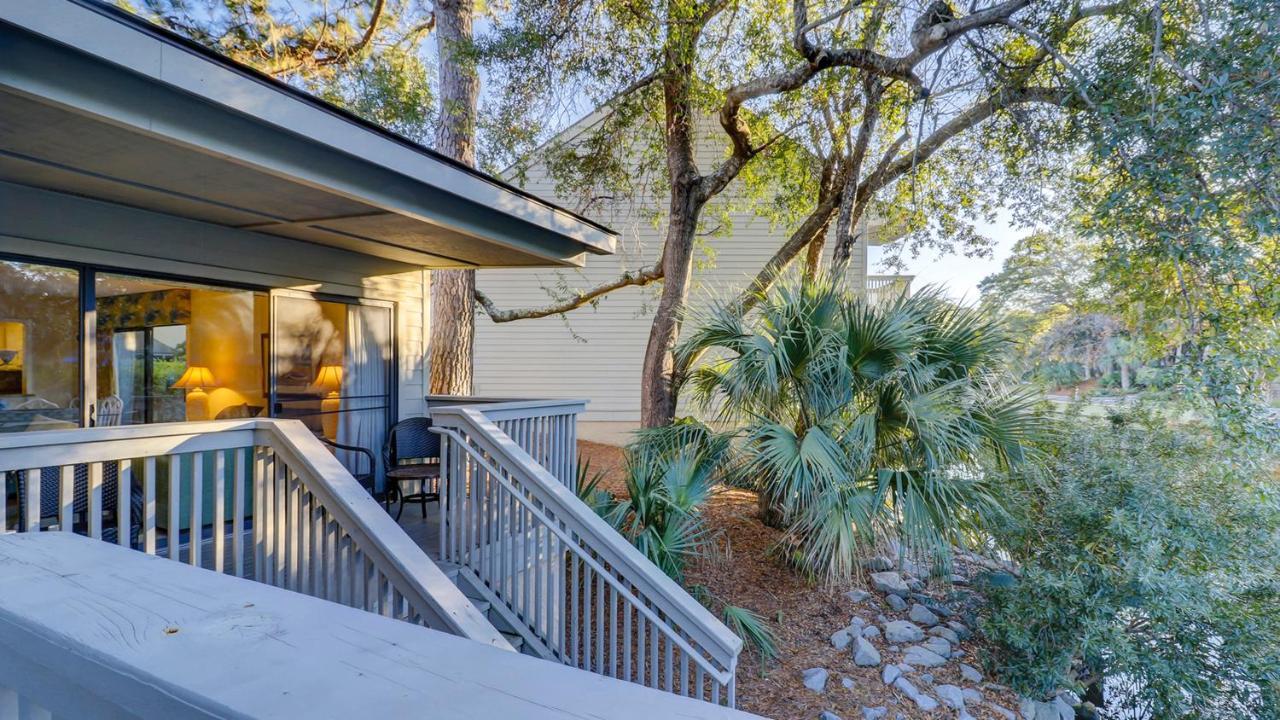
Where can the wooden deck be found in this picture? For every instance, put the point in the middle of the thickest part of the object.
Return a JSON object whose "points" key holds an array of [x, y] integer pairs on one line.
{"points": [[426, 533]]}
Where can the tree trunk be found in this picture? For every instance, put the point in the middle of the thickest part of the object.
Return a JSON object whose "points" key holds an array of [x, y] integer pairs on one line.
{"points": [[453, 302], [657, 380], [1124, 376]]}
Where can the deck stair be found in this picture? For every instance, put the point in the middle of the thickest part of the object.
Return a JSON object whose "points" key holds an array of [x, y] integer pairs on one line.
{"points": [[514, 535], [497, 613]]}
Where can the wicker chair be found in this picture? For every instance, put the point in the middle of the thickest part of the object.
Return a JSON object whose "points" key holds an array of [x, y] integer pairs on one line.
{"points": [[50, 484], [412, 453]]}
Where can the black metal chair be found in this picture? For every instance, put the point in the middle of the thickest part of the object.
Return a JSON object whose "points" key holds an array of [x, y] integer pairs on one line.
{"points": [[368, 480], [412, 453]]}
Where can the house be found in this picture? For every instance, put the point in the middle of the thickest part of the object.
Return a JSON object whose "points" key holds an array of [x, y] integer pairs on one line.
{"points": [[213, 307], [596, 352]]}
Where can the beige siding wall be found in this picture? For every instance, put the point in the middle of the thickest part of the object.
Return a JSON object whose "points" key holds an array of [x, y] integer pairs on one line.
{"points": [[596, 352]]}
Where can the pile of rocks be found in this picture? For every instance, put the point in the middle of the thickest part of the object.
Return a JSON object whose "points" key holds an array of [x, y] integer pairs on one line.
{"points": [[908, 651]]}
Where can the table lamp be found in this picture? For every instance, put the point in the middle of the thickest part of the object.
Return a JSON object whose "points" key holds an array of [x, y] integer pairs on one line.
{"points": [[329, 380], [194, 381]]}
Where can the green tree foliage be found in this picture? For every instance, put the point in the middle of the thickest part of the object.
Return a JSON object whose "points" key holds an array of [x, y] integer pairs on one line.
{"points": [[1180, 185], [1149, 558], [364, 55], [863, 422]]}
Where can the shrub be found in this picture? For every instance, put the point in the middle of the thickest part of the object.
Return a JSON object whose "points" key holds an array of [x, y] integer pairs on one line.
{"points": [[864, 421], [1150, 559]]}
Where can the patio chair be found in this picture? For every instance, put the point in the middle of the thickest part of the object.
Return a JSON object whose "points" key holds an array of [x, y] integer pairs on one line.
{"points": [[110, 411], [367, 479], [412, 453]]}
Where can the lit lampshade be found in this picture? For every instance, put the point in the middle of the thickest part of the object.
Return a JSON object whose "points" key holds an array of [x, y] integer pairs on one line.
{"points": [[195, 378], [330, 379], [194, 381]]}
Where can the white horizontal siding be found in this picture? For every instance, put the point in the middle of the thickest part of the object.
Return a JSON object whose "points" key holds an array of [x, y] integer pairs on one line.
{"points": [[597, 352]]}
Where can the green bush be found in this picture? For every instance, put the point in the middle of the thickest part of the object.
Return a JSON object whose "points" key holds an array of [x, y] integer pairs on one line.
{"points": [[862, 421], [1150, 559]]}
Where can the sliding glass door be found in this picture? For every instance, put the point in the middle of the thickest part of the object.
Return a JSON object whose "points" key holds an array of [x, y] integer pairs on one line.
{"points": [[332, 369]]}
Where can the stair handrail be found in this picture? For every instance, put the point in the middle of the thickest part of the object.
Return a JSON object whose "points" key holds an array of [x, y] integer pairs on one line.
{"points": [[415, 576], [692, 617]]}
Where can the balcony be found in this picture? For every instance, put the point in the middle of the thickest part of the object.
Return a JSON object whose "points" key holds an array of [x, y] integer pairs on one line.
{"points": [[260, 508]]}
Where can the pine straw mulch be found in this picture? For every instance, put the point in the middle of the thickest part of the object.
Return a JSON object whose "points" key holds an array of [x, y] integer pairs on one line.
{"points": [[801, 614]]}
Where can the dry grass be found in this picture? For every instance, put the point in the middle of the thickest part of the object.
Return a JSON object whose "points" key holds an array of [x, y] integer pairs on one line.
{"points": [[801, 614]]}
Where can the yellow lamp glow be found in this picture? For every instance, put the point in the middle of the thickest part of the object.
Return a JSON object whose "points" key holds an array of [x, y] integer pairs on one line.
{"points": [[194, 381], [330, 380]]}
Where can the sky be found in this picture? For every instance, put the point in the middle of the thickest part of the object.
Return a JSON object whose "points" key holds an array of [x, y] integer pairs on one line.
{"points": [[960, 275]]}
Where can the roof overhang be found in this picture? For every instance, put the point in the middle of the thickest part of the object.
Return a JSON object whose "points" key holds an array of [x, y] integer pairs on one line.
{"points": [[98, 103]]}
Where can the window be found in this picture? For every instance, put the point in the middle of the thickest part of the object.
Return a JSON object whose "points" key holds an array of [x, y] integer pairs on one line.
{"points": [[172, 351], [39, 347]]}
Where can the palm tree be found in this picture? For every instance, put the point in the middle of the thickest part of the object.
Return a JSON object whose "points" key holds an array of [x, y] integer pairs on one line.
{"points": [[863, 422]]}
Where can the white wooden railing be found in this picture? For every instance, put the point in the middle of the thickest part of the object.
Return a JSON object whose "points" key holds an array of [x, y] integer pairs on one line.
{"points": [[583, 595], [546, 429], [91, 631], [886, 288], [284, 512]]}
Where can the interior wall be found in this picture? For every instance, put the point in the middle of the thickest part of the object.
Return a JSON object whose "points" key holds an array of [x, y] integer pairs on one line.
{"points": [[224, 336]]}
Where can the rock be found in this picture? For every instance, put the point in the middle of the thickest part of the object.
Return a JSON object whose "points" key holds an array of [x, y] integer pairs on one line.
{"points": [[897, 603], [927, 677], [864, 653], [890, 673], [957, 653], [958, 580], [879, 563], [828, 715], [874, 713], [841, 638], [915, 585], [972, 696], [922, 615], [951, 696], [902, 631], [857, 596], [847, 682], [924, 657], [945, 632], [1057, 709], [816, 679], [871, 632], [960, 629], [922, 700], [1066, 711], [856, 622], [890, 583], [1003, 712], [970, 673], [938, 646]]}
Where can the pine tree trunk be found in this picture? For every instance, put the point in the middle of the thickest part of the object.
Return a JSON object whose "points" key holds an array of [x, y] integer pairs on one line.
{"points": [[453, 302]]}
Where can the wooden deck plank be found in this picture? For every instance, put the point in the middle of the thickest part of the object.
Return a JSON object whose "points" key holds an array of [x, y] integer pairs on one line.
{"points": [[125, 632]]}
